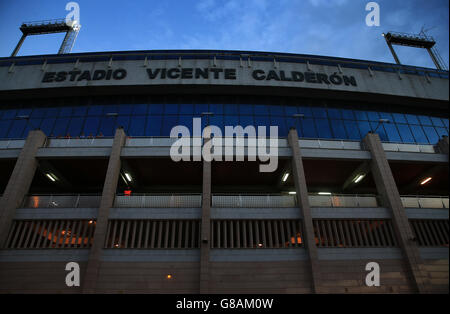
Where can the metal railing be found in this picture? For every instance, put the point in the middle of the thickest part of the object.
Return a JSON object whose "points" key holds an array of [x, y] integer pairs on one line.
{"points": [[409, 148], [425, 201], [158, 201], [80, 142], [330, 144], [62, 201], [12, 143], [286, 201]]}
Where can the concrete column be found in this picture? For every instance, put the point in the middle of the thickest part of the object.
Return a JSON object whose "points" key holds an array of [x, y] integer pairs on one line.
{"points": [[108, 195], [19, 44], [298, 174], [20, 181], [388, 191], [443, 145], [205, 243]]}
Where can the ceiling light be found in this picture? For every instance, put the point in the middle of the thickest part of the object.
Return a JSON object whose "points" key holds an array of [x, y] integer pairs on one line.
{"points": [[426, 181], [169, 276], [51, 176], [128, 176], [358, 178], [292, 193], [286, 175], [324, 193]]}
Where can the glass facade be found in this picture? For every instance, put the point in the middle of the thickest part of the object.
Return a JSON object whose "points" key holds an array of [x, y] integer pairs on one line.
{"points": [[148, 116]]}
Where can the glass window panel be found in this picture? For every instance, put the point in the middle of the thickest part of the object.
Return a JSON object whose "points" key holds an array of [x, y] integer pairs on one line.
{"points": [[168, 123], [323, 128], [65, 112], [442, 132], [91, 126], [290, 110], [373, 116], [216, 108], [124, 122], [424, 120], [125, 109], [186, 109], [156, 109], [38, 113], [431, 134], [107, 126], [79, 111], [294, 123], [95, 110], [281, 124], [379, 130], [352, 130], [445, 121], [386, 115], [60, 126], [4, 127], [17, 128], [399, 117], [364, 128], [260, 109], [201, 108], [246, 109], [52, 112], [338, 129], [140, 109], [47, 126], [231, 121], [217, 120], [171, 109], [418, 134], [137, 126], [9, 114], [405, 133], [392, 132], [308, 128], [319, 112], [360, 115], [109, 109], [276, 110], [348, 114], [412, 119], [334, 113], [246, 120], [75, 127], [306, 111], [231, 109], [153, 127], [24, 112], [437, 121]]}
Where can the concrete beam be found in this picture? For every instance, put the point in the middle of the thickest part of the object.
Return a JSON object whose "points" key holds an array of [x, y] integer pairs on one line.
{"points": [[443, 145], [388, 191], [298, 174], [19, 181], [107, 201]]}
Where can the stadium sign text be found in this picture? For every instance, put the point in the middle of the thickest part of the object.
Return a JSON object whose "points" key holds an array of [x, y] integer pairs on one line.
{"points": [[202, 73]]}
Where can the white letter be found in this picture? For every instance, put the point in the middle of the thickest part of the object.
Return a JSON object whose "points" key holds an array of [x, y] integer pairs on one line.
{"points": [[197, 139], [373, 18], [183, 143], [75, 13], [73, 278], [273, 144], [373, 278], [212, 149]]}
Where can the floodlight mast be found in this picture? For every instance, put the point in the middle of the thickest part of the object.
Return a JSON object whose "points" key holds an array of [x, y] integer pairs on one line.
{"points": [[71, 28], [414, 40]]}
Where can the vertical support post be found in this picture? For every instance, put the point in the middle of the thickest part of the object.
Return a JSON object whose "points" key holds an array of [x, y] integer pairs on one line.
{"points": [[443, 145], [19, 181], [435, 60], [394, 54], [298, 174], [106, 202], [388, 191], [205, 241], [19, 44]]}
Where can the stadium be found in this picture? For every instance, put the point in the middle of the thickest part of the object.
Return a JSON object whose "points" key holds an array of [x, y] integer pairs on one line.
{"points": [[88, 176]]}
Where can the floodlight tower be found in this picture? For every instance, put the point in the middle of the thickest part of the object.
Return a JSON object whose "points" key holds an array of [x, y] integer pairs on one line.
{"points": [[71, 28], [412, 40]]}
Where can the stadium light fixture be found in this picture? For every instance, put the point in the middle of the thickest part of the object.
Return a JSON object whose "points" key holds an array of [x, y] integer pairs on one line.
{"points": [[285, 176], [425, 181], [292, 193], [324, 193], [358, 178], [51, 176], [128, 176]]}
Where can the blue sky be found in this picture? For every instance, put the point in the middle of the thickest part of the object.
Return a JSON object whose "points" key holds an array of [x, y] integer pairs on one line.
{"points": [[320, 27]]}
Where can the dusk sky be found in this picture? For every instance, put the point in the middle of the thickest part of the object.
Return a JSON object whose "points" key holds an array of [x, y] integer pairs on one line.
{"points": [[319, 27]]}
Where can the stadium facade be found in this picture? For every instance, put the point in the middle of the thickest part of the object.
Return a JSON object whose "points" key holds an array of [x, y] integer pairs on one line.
{"points": [[87, 176]]}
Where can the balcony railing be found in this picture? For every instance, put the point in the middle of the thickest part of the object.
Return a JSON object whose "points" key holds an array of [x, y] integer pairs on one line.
{"points": [[283, 201], [159, 201], [62, 201], [425, 202]]}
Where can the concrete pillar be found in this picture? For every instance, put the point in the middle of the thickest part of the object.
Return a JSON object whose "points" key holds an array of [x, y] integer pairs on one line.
{"points": [[205, 243], [390, 197], [443, 145], [19, 44], [298, 174], [108, 195], [19, 181]]}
